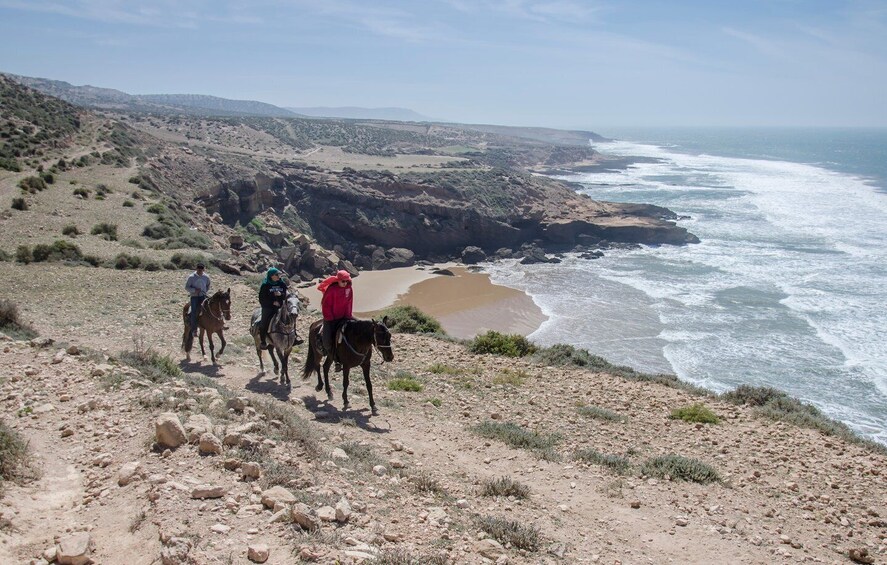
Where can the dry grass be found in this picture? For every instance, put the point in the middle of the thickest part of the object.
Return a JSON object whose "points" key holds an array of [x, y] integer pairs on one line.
{"points": [[505, 486], [509, 532]]}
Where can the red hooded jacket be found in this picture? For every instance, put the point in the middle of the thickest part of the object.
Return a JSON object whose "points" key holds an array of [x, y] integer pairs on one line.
{"points": [[337, 301]]}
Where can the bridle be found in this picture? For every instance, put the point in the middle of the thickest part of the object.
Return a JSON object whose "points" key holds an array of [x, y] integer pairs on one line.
{"points": [[375, 345], [209, 310]]}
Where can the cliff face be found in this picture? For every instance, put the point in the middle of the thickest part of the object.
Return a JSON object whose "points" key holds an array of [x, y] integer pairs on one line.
{"points": [[436, 217]]}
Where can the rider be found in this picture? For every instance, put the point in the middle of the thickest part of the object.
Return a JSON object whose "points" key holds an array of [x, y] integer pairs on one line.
{"points": [[338, 299], [197, 286], [272, 295]]}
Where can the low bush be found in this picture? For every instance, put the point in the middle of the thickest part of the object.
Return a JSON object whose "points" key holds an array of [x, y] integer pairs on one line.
{"points": [[19, 203], [106, 230], [102, 190], [23, 254], [158, 231], [442, 369], [32, 184], [400, 556], [125, 261], [425, 482], [82, 192], [513, 345], [59, 250], [13, 454], [600, 413], [406, 382], [411, 320], [187, 260], [505, 486], [516, 436], [680, 468], [509, 532], [695, 413], [71, 230], [513, 377], [616, 463], [777, 405], [156, 209], [153, 365], [11, 322], [186, 240], [128, 204]]}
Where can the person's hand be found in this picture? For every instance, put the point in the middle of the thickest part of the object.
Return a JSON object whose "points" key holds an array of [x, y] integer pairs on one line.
{"points": [[277, 303]]}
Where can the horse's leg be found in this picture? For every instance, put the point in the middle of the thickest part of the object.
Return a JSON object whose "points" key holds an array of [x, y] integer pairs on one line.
{"points": [[212, 347], [222, 339], [259, 354], [366, 379], [345, 371], [273, 358], [284, 371], [326, 377], [202, 350]]}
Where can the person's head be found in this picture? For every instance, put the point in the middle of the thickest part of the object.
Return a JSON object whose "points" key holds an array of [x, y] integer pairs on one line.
{"points": [[200, 268], [343, 278], [273, 274]]}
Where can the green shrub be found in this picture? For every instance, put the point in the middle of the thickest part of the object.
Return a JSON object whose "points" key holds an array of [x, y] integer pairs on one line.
{"points": [[126, 261], [71, 230], [513, 345], [505, 486], [513, 377], [102, 190], [406, 382], [19, 203], [508, 532], [81, 192], [32, 184], [616, 463], [442, 369], [411, 320], [128, 203], [59, 250], [155, 366], [23, 254], [187, 260], [48, 178], [680, 468], [515, 436], [436, 402], [134, 243], [777, 405], [156, 209], [695, 413], [600, 413], [186, 240], [158, 231], [134, 180], [106, 230]]}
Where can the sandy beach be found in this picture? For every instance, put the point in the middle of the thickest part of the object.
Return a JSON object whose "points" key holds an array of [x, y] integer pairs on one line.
{"points": [[466, 303]]}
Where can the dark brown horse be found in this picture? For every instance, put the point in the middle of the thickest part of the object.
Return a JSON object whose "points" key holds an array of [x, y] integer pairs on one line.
{"points": [[211, 319], [354, 346]]}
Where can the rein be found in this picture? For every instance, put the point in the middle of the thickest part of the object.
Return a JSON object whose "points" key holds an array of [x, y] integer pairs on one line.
{"points": [[209, 310], [375, 344]]}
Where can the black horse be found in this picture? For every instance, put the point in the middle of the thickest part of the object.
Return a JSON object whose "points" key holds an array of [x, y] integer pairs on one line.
{"points": [[281, 335], [211, 319], [354, 346]]}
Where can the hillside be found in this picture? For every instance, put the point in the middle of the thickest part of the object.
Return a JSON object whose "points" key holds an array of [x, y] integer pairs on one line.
{"points": [[358, 113]]}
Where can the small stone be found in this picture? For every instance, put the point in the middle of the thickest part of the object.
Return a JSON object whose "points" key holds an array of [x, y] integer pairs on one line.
{"points": [[396, 464], [396, 445], [303, 516], [250, 471], [635, 504], [462, 503], [59, 357], [338, 454], [67, 432], [489, 548], [129, 472], [860, 555], [327, 513], [209, 445], [681, 522], [277, 495], [221, 528], [258, 553], [238, 404], [208, 491], [73, 350], [379, 470], [343, 510], [169, 430]]}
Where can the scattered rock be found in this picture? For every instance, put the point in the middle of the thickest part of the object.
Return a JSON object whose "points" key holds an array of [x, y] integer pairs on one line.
{"points": [[220, 528], [303, 516], [379, 470], [74, 549], [175, 551], [489, 548], [860, 555], [327, 513], [73, 350], [258, 553], [338, 454], [196, 425], [129, 473], [210, 445], [277, 495], [208, 491], [251, 471], [169, 430]]}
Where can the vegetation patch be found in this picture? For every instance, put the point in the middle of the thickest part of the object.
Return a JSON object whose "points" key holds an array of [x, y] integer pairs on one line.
{"points": [[14, 461], [695, 413], [443, 369], [512, 345], [505, 486], [426, 483], [511, 533], [105, 230], [71, 230], [677, 467], [411, 320], [777, 405], [512, 377], [600, 413], [19, 203], [32, 185], [11, 322], [400, 556], [288, 425], [156, 367], [406, 382], [516, 436], [615, 463]]}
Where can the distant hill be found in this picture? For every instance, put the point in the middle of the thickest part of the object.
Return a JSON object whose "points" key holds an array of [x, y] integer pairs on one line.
{"points": [[358, 113], [110, 99], [545, 135]]}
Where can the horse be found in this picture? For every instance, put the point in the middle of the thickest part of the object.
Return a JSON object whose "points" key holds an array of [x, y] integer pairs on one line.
{"points": [[354, 344], [281, 334], [211, 319]]}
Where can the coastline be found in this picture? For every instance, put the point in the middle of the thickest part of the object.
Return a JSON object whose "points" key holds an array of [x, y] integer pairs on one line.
{"points": [[466, 304]]}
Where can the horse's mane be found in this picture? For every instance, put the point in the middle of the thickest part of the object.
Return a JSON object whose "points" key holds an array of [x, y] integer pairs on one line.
{"points": [[362, 328]]}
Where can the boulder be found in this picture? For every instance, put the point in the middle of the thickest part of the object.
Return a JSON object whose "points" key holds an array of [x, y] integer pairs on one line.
{"points": [[472, 255], [277, 495], [210, 445], [196, 425], [343, 510], [235, 241], [258, 552], [250, 470], [129, 473], [400, 257], [489, 548], [304, 517], [73, 549], [208, 491], [169, 430]]}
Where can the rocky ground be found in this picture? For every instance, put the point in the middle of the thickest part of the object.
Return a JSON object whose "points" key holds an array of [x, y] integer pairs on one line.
{"points": [[222, 464]]}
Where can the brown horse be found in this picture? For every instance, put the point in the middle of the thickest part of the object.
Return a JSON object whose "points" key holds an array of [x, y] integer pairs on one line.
{"points": [[211, 319], [354, 344]]}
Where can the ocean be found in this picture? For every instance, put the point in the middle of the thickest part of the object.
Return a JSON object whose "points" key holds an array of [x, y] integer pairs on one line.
{"points": [[788, 287]]}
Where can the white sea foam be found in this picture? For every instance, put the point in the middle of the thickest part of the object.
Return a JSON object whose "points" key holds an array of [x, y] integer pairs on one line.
{"points": [[786, 289]]}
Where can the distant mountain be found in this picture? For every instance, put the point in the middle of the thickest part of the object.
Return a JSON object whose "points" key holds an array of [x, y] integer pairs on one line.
{"points": [[545, 135], [358, 113], [110, 99]]}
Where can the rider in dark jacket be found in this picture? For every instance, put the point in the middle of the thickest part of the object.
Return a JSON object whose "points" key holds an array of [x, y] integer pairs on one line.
{"points": [[272, 295]]}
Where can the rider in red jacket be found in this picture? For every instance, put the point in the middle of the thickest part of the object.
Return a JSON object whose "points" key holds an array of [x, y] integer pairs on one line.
{"points": [[338, 299]]}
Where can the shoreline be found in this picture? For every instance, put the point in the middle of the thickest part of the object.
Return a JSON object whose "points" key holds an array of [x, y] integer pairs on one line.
{"points": [[465, 303]]}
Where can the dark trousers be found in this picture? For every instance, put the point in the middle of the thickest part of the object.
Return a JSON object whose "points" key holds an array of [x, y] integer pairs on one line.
{"points": [[196, 301], [267, 314], [328, 334]]}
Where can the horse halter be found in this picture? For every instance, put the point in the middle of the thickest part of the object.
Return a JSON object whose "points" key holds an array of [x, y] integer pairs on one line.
{"points": [[209, 310], [376, 341]]}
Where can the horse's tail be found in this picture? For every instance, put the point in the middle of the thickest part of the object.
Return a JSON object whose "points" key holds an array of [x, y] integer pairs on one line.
{"points": [[310, 362], [187, 335]]}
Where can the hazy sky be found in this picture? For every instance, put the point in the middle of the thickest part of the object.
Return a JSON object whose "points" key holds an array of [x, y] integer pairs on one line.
{"points": [[562, 63]]}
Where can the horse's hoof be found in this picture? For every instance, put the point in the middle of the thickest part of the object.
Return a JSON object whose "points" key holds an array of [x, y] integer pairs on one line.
{"points": [[329, 396], [374, 411], [318, 388], [345, 407], [276, 370]]}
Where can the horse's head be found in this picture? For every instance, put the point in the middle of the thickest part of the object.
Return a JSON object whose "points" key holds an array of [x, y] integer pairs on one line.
{"points": [[224, 301], [382, 339]]}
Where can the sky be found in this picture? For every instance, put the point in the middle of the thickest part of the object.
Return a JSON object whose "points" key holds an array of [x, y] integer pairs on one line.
{"points": [[556, 63]]}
